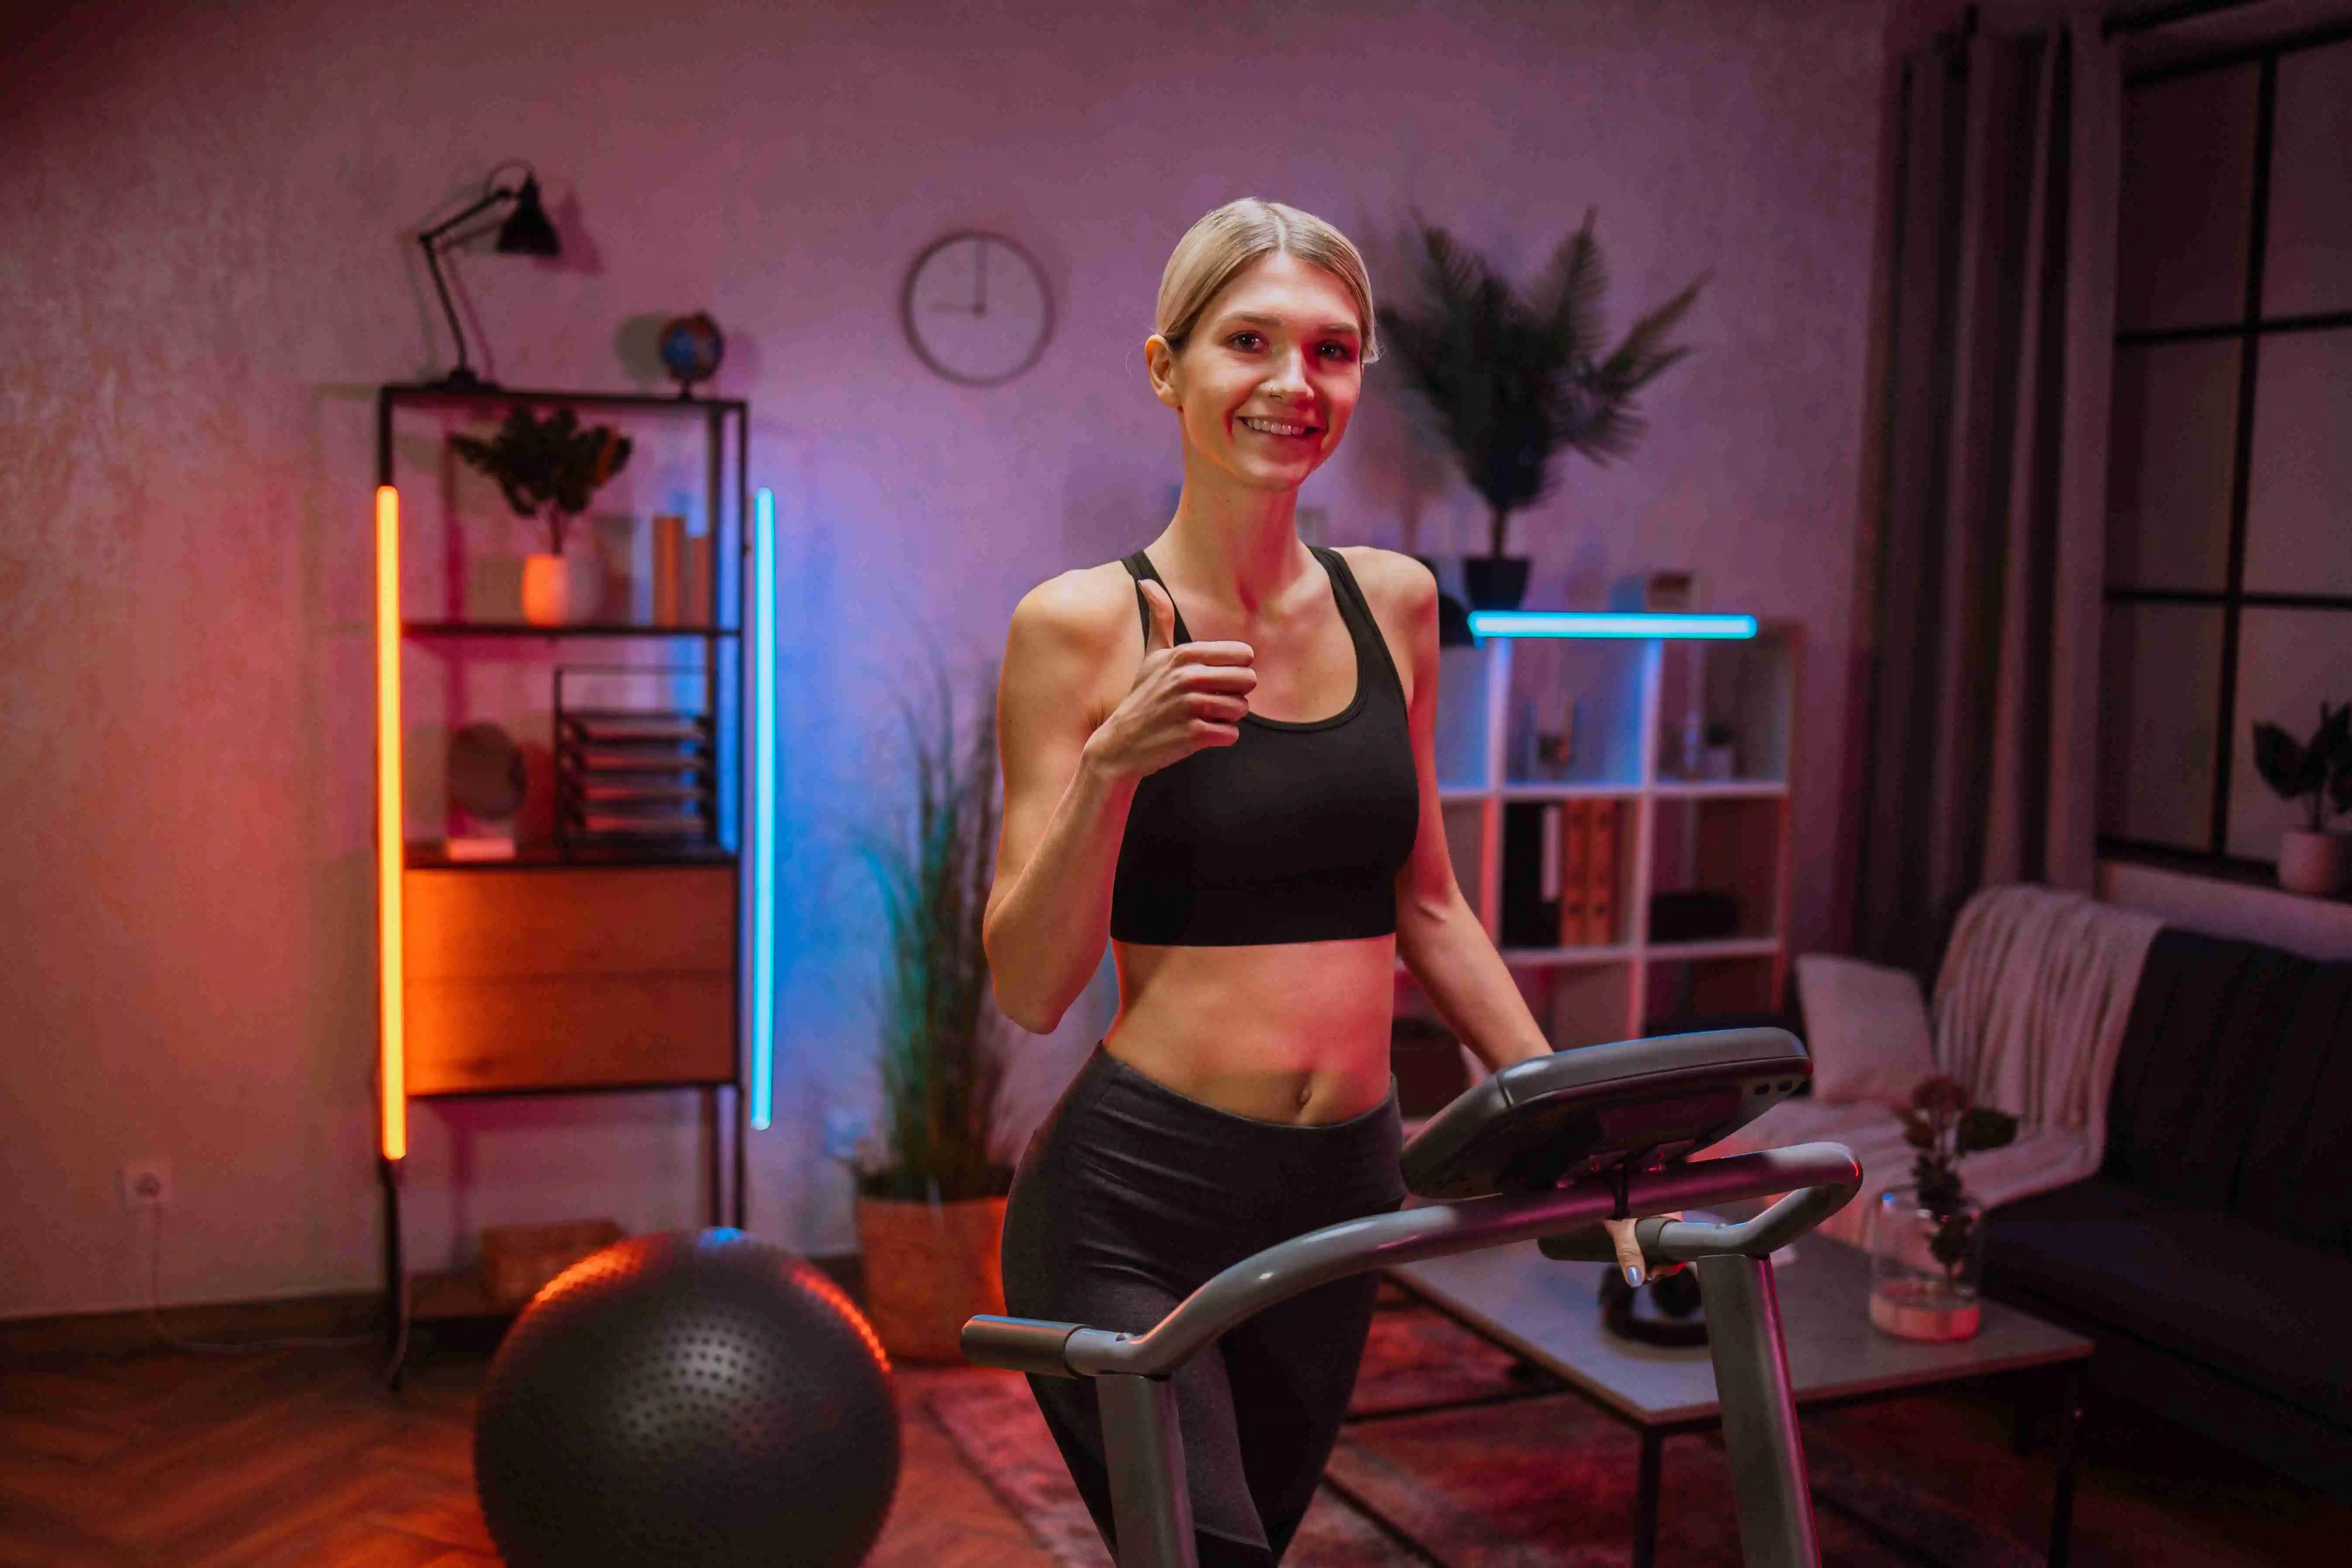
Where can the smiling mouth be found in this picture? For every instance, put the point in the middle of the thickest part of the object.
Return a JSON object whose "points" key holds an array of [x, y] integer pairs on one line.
{"points": [[1279, 427]]}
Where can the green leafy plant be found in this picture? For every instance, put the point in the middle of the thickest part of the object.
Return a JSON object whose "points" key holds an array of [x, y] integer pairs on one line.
{"points": [[1518, 379], [547, 469], [2319, 769], [1942, 1124], [942, 1057]]}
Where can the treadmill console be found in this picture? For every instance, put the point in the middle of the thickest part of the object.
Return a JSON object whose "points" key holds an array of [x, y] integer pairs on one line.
{"points": [[1634, 1104]]}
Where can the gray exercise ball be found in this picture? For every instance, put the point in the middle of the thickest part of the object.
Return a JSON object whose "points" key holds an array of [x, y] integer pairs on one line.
{"points": [[687, 1399]]}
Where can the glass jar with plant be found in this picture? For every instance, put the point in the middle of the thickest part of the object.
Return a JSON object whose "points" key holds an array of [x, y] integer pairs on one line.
{"points": [[1926, 1238], [2312, 860], [1516, 380], [931, 1187], [548, 469]]}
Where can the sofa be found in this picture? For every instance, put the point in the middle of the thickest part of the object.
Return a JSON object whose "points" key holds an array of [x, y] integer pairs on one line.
{"points": [[2210, 1255]]}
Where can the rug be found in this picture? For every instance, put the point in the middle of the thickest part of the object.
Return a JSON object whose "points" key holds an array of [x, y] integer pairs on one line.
{"points": [[1535, 1478]]}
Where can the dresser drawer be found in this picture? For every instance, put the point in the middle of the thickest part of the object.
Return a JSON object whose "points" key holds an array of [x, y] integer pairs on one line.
{"points": [[569, 977], [571, 1031], [481, 923]]}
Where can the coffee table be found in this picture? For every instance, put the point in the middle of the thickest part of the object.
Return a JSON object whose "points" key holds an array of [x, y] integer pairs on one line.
{"points": [[1548, 1314]]}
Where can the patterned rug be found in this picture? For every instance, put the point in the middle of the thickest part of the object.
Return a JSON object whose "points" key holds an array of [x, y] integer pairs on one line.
{"points": [[1545, 1480]]}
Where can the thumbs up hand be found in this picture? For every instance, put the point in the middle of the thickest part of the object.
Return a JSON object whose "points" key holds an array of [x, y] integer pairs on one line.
{"points": [[1185, 697]]}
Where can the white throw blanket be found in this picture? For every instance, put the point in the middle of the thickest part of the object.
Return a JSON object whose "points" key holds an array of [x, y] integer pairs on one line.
{"points": [[2029, 1009]]}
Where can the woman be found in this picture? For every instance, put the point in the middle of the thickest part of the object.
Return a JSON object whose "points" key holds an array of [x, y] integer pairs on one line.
{"points": [[1240, 793]]}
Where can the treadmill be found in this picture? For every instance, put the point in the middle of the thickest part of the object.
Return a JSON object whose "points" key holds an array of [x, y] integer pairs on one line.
{"points": [[1541, 1151]]}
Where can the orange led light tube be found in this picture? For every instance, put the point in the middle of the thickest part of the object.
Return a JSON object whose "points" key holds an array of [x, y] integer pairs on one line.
{"points": [[389, 828]]}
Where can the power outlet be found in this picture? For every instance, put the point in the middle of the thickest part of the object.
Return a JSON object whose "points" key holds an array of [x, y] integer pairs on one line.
{"points": [[146, 1183]]}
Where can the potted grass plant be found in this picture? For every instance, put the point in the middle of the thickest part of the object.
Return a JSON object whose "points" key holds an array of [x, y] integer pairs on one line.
{"points": [[931, 1187], [2312, 860], [1518, 379], [548, 469]]}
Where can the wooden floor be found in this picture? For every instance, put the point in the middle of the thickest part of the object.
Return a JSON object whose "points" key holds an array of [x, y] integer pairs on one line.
{"points": [[171, 1460]]}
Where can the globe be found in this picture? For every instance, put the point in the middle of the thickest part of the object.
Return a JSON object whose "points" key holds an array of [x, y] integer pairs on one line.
{"points": [[691, 348]]}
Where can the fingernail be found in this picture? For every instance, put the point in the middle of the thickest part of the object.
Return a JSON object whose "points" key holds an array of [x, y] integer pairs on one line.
{"points": [[1634, 1276]]}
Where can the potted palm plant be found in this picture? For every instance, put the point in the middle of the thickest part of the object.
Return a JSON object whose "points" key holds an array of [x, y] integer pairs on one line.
{"points": [[1515, 380], [2312, 860], [931, 1193], [548, 469]]}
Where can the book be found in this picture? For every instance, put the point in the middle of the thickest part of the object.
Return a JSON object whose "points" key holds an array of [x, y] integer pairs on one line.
{"points": [[1601, 874], [1576, 840], [670, 566], [1530, 919], [695, 594]]}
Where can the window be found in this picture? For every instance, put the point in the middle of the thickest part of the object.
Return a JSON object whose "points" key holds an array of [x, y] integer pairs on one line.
{"points": [[2229, 577]]}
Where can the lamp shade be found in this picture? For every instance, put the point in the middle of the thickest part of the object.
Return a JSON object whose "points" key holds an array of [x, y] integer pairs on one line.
{"points": [[526, 231]]}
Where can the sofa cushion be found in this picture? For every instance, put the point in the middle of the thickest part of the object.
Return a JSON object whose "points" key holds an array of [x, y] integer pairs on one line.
{"points": [[2297, 1174], [2196, 1064], [1871, 1040], [2198, 1283]]}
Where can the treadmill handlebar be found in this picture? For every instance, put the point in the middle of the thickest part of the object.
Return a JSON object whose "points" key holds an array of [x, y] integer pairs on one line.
{"points": [[1819, 1178]]}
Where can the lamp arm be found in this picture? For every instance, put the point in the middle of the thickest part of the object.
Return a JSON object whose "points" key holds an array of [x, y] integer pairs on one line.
{"points": [[427, 239]]}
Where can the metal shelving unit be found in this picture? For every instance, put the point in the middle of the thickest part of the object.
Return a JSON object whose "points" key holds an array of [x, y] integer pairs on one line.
{"points": [[720, 645]]}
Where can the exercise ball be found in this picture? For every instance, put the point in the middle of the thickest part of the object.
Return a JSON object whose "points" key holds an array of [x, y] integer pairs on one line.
{"points": [[687, 1399]]}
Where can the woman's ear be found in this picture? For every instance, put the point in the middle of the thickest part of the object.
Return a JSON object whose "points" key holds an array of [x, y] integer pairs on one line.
{"points": [[1159, 363]]}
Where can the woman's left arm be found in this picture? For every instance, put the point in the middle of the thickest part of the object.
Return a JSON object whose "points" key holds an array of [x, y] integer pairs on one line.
{"points": [[1438, 933]]}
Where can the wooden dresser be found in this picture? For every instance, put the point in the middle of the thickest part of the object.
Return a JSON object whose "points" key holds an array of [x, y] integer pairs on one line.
{"points": [[587, 976]]}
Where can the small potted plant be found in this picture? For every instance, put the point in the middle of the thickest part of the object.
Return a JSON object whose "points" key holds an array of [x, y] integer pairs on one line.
{"points": [[1926, 1239], [2318, 771], [549, 470], [1516, 380], [931, 1188]]}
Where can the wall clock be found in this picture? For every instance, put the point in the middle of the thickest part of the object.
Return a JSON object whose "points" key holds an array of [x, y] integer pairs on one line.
{"points": [[976, 308]]}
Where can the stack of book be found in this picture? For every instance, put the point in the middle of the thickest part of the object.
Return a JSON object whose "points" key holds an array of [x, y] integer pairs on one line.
{"points": [[1562, 872], [635, 777]]}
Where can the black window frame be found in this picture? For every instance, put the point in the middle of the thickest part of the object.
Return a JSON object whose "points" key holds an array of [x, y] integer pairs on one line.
{"points": [[2248, 329]]}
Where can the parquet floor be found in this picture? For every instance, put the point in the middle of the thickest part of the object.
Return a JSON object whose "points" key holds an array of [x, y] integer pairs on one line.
{"points": [[300, 1459]]}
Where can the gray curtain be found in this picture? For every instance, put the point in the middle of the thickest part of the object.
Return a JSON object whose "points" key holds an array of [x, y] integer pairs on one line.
{"points": [[1980, 720]]}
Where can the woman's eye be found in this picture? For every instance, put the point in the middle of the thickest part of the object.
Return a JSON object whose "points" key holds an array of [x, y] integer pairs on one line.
{"points": [[1247, 341], [1338, 351]]}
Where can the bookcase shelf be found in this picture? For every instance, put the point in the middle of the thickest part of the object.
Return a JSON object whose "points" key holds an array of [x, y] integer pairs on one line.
{"points": [[1690, 874]]}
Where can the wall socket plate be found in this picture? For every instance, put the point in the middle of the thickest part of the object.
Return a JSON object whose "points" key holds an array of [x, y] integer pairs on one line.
{"points": [[146, 1183]]}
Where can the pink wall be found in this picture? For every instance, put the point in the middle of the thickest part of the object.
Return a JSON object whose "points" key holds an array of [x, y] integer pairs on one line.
{"points": [[208, 267]]}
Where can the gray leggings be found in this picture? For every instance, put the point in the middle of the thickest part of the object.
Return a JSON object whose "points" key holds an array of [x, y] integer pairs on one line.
{"points": [[1132, 1194]]}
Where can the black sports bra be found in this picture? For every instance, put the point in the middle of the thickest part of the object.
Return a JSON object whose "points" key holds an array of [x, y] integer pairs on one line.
{"points": [[1295, 833]]}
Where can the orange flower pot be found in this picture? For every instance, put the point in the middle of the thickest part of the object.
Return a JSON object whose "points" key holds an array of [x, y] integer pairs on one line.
{"points": [[928, 1266]]}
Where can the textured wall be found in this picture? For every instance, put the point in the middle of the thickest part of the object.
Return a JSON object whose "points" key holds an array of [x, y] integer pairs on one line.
{"points": [[206, 268]]}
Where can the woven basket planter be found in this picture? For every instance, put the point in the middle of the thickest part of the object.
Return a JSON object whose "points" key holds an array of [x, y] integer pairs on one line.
{"points": [[928, 1266]]}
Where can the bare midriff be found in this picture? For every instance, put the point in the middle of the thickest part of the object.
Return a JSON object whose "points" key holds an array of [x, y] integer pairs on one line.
{"points": [[1290, 1032]]}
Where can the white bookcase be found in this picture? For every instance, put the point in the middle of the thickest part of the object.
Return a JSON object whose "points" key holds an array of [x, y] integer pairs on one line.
{"points": [[1625, 710]]}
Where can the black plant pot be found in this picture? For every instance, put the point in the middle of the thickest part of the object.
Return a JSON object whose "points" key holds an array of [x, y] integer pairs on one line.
{"points": [[1452, 615], [1495, 582]]}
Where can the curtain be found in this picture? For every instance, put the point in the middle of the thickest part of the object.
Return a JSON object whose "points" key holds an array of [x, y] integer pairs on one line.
{"points": [[1980, 718]]}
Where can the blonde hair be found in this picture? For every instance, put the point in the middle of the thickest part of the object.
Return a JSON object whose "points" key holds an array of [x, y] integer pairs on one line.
{"points": [[1216, 248]]}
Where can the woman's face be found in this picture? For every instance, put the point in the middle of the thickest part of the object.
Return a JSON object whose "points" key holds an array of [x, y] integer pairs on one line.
{"points": [[1269, 375]]}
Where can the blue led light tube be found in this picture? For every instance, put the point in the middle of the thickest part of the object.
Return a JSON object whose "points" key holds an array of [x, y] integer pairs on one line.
{"points": [[764, 809], [1606, 623]]}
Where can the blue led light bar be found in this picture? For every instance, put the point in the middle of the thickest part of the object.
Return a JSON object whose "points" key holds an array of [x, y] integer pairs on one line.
{"points": [[1606, 623], [764, 809]]}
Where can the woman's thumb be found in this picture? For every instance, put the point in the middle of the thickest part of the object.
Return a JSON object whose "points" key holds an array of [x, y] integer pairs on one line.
{"points": [[1163, 617]]}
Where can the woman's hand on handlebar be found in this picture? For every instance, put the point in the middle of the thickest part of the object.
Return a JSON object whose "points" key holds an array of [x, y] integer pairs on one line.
{"points": [[1183, 700]]}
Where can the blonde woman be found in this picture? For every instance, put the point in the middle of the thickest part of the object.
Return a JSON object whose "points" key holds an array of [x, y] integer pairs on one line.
{"points": [[1217, 756]]}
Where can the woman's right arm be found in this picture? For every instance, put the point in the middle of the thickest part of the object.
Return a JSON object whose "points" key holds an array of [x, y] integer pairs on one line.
{"points": [[1070, 770]]}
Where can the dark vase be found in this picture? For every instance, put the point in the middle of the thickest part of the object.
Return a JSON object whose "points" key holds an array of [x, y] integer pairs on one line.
{"points": [[1452, 615], [1495, 582]]}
